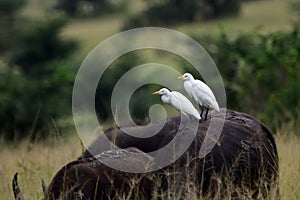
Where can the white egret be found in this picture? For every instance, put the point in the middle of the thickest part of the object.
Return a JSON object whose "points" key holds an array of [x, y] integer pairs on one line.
{"points": [[179, 101], [200, 92]]}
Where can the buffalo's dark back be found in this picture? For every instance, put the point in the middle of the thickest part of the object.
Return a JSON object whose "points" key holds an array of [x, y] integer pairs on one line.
{"points": [[244, 156]]}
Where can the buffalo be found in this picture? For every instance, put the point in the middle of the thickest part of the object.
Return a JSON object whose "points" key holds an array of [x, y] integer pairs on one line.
{"points": [[243, 163]]}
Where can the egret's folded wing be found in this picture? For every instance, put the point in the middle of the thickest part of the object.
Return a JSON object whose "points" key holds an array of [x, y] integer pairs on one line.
{"points": [[202, 90], [183, 104]]}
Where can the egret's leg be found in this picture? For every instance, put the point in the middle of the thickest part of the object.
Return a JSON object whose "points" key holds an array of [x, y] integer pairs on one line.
{"points": [[201, 112], [206, 113]]}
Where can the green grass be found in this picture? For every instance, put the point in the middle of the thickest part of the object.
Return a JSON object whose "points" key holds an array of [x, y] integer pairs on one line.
{"points": [[90, 32], [268, 15]]}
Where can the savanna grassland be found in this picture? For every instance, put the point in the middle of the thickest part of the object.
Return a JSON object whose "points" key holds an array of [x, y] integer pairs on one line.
{"points": [[44, 159]]}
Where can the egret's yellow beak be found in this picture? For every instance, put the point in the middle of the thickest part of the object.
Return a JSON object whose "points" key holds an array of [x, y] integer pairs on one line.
{"points": [[157, 92], [180, 77]]}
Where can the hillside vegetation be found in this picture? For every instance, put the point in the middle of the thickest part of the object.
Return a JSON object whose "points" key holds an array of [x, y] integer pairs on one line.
{"points": [[268, 15]]}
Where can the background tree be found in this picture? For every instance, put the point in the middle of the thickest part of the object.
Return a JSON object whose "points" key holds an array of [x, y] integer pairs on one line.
{"points": [[70, 7], [77, 7], [39, 45], [8, 13], [36, 86], [261, 73], [170, 12], [139, 105], [220, 8]]}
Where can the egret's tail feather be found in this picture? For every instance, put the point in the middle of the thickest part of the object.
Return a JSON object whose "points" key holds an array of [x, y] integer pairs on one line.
{"points": [[215, 106]]}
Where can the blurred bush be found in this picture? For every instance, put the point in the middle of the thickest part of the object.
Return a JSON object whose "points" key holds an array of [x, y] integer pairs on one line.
{"points": [[139, 105], [8, 15], [170, 12], [261, 73], [81, 8], [295, 7], [36, 84], [9, 9], [70, 7], [40, 44], [220, 8], [30, 107]]}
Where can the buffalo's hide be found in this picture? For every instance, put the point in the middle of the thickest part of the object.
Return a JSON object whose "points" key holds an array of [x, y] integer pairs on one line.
{"points": [[89, 178], [242, 163], [243, 159]]}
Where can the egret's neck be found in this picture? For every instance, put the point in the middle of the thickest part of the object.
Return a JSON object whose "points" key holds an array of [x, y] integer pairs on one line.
{"points": [[168, 93], [166, 98], [192, 79]]}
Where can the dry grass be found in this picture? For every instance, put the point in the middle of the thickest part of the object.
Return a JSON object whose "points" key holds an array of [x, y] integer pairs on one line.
{"points": [[289, 163], [45, 159], [269, 16]]}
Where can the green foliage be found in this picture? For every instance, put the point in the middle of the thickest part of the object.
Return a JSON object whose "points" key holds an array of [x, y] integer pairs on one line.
{"points": [[8, 14], [217, 8], [77, 7], [68, 6], [166, 13], [261, 73], [40, 44], [36, 86], [295, 7], [139, 104], [171, 12], [29, 107], [9, 8]]}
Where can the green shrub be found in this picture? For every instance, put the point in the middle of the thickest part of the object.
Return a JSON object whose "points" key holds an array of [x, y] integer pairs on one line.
{"points": [[9, 11], [31, 108], [261, 73], [95, 7], [172, 12], [36, 87], [216, 8], [107, 83], [40, 44]]}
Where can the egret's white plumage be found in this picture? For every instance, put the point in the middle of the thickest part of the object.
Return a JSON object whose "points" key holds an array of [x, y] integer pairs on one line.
{"points": [[200, 92], [179, 101]]}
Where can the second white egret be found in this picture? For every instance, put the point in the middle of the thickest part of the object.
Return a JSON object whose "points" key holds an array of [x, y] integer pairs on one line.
{"points": [[179, 101], [200, 92]]}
